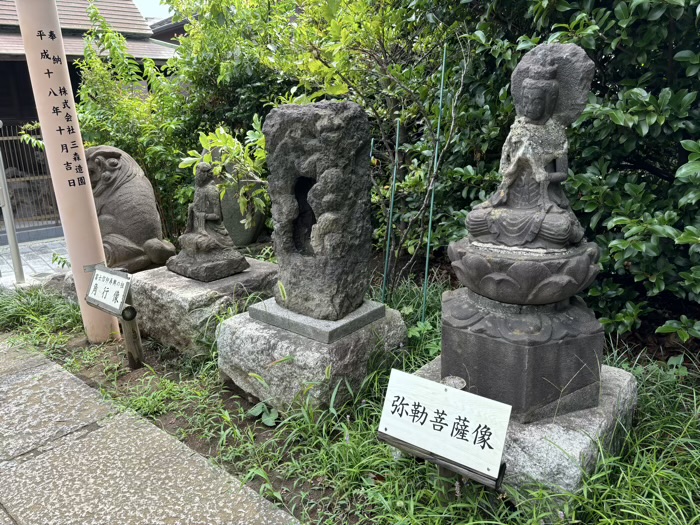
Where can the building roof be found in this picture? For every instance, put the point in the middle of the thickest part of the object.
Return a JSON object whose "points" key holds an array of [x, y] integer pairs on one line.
{"points": [[122, 15], [12, 47]]}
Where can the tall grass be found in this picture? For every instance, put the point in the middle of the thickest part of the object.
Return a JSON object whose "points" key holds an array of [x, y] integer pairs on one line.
{"points": [[327, 466]]}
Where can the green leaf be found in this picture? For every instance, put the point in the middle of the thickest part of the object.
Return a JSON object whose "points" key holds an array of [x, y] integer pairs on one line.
{"points": [[257, 409], [684, 56], [688, 169], [691, 145], [656, 13]]}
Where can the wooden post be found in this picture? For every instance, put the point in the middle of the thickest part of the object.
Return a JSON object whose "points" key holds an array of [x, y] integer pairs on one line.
{"points": [[55, 104]]}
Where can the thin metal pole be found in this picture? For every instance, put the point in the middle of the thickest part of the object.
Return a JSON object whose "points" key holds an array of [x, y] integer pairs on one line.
{"points": [[6, 206], [432, 186], [391, 210]]}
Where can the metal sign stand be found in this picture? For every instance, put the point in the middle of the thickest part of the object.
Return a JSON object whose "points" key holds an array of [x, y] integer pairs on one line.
{"points": [[9, 219]]}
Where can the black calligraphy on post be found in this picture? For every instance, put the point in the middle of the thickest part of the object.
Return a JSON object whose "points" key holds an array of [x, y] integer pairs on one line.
{"points": [[51, 54]]}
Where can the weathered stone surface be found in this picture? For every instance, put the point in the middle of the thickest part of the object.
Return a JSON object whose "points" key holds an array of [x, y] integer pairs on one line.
{"points": [[207, 251], [5, 518], [177, 311], [126, 210], [129, 472], [538, 359], [41, 403], [574, 74], [13, 361], [319, 184], [518, 276], [559, 451], [529, 210], [317, 329], [290, 363]]}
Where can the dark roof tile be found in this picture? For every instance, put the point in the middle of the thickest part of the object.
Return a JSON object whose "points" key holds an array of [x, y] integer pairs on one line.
{"points": [[122, 15]]}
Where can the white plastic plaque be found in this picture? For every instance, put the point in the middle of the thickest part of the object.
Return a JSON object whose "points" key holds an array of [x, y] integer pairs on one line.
{"points": [[461, 431], [108, 290]]}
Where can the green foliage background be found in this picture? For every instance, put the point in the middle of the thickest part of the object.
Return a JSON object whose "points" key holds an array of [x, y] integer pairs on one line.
{"points": [[634, 153]]}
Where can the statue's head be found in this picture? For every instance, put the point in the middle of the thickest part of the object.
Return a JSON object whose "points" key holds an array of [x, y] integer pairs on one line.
{"points": [[204, 174], [110, 167], [539, 93]]}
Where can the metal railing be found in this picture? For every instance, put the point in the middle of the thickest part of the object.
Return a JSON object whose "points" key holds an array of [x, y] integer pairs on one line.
{"points": [[28, 181]]}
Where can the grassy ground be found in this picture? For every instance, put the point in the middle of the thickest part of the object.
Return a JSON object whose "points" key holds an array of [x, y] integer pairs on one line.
{"points": [[327, 467]]}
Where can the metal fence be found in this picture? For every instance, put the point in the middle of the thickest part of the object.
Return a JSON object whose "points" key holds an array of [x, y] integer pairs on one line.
{"points": [[29, 183]]}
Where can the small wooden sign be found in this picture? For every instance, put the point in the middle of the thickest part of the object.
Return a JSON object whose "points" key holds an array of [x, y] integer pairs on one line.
{"points": [[463, 432], [108, 290]]}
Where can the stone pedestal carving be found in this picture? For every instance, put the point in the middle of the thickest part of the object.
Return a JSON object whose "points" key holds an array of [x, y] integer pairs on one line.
{"points": [[206, 250], [516, 333], [320, 332], [126, 210], [541, 360]]}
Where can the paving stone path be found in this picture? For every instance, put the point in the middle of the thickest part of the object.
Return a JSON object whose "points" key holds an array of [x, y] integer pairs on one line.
{"points": [[36, 261], [69, 457]]}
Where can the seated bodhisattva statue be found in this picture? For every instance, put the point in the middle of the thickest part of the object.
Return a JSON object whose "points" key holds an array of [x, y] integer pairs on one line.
{"points": [[525, 245], [207, 251], [529, 207]]}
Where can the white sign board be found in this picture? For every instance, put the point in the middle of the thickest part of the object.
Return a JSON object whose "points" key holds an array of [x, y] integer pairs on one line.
{"points": [[445, 423], [108, 290]]}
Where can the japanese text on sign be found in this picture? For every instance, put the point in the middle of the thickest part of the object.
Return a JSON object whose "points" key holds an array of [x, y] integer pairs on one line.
{"points": [[464, 428], [108, 290]]}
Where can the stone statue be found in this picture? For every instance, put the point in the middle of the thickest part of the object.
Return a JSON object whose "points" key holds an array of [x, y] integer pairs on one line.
{"points": [[516, 333], [126, 210], [207, 252], [529, 209], [320, 191]]}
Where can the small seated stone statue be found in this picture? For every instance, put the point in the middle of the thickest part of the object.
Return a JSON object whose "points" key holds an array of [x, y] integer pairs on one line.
{"points": [[126, 210], [207, 252], [529, 207]]}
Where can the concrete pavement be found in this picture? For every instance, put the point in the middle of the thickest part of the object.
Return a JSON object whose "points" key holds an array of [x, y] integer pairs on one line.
{"points": [[67, 457], [36, 260]]}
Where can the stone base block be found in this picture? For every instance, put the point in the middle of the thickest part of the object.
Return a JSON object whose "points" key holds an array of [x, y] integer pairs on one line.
{"points": [[317, 329], [558, 452], [541, 360], [177, 311], [278, 366], [208, 266]]}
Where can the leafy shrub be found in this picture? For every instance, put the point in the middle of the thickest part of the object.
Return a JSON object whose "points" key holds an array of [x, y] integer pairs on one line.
{"points": [[634, 153]]}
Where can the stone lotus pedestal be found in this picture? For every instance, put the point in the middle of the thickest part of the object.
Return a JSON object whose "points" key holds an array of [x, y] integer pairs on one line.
{"points": [[319, 331]]}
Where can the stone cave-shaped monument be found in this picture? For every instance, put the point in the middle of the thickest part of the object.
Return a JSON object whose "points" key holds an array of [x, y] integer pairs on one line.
{"points": [[516, 332], [318, 329]]}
